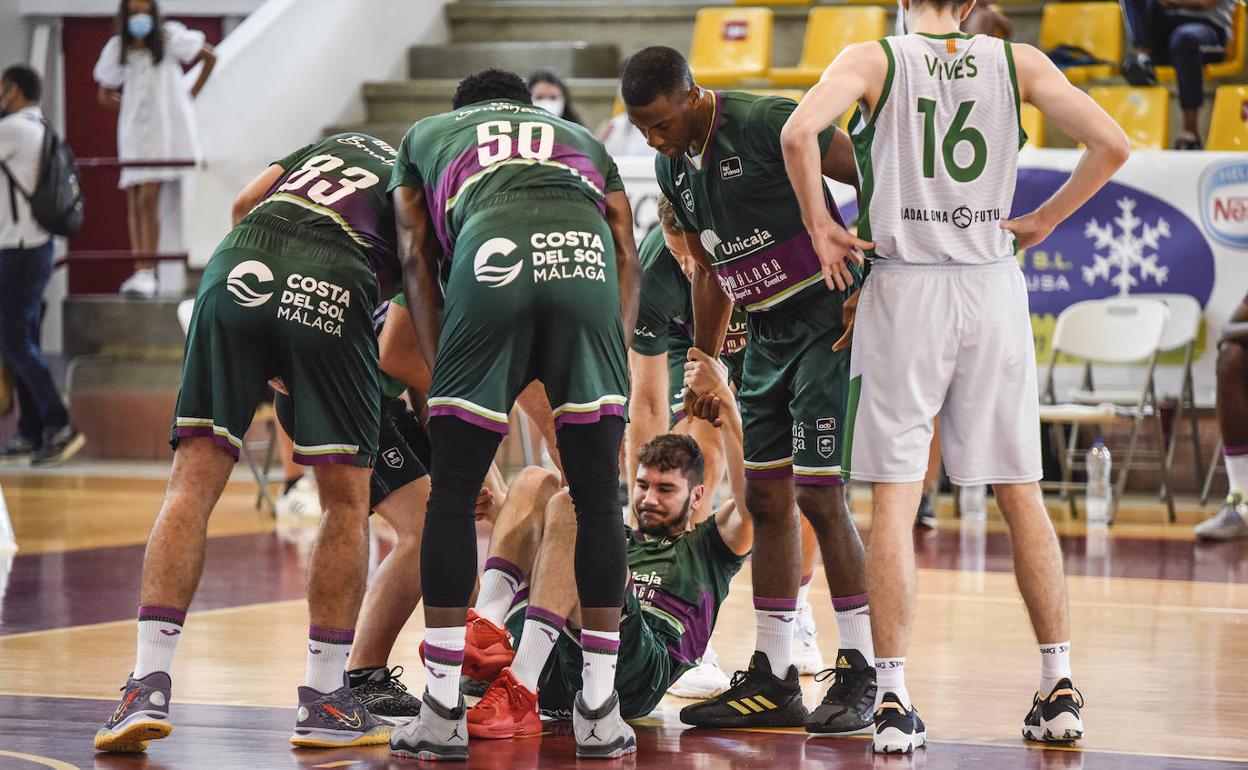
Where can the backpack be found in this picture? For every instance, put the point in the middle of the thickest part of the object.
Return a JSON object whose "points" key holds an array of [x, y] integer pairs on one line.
{"points": [[56, 200], [1067, 56]]}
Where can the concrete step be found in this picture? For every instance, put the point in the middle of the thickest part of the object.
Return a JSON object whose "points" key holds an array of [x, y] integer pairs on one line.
{"points": [[119, 326], [407, 102], [634, 25], [566, 59]]}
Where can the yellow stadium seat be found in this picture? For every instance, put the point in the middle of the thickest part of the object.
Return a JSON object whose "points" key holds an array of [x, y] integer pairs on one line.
{"points": [[775, 2], [1228, 128], [1143, 113], [795, 94], [1033, 124], [1233, 64], [1094, 27], [828, 32], [730, 45]]}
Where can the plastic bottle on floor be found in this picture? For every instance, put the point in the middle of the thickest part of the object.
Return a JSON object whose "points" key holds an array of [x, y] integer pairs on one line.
{"points": [[1098, 499]]}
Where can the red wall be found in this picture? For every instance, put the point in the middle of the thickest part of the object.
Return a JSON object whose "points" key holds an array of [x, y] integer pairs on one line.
{"points": [[92, 132]]}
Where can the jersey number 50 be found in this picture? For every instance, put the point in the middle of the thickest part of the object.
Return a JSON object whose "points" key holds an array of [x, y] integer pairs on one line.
{"points": [[324, 191], [536, 141]]}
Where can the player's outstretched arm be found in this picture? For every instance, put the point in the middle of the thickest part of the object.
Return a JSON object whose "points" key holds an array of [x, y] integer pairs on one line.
{"points": [[399, 351], [848, 79], [418, 254], [648, 414], [735, 526], [1042, 84], [253, 192], [627, 265]]}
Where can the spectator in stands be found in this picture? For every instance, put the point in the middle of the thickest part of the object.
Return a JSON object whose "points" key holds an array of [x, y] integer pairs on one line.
{"points": [[44, 434], [985, 19], [1186, 34], [140, 75], [550, 93]]}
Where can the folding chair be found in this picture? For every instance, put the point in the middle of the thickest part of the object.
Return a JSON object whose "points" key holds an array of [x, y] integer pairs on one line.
{"points": [[264, 413], [1124, 330]]}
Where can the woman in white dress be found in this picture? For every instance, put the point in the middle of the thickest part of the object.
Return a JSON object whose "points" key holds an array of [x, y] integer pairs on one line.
{"points": [[140, 75]]}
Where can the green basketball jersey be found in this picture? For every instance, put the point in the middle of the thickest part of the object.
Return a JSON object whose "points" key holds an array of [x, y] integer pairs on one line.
{"points": [[466, 157], [338, 185], [737, 196], [665, 313], [681, 583], [390, 387]]}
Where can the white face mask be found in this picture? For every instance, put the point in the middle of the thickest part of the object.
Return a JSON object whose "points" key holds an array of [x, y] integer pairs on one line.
{"points": [[553, 106]]}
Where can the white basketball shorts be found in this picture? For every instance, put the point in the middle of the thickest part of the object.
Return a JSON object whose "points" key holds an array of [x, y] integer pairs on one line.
{"points": [[951, 340]]}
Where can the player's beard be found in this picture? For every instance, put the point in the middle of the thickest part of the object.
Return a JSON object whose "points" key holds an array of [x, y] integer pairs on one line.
{"points": [[669, 526]]}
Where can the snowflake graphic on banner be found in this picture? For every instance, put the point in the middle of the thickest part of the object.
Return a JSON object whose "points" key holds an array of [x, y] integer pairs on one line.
{"points": [[1127, 251]]}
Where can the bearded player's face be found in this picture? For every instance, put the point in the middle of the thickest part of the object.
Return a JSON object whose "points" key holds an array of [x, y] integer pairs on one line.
{"points": [[661, 501]]}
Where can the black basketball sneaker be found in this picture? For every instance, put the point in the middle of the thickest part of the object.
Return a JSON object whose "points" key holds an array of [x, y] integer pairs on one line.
{"points": [[898, 730], [1055, 718], [756, 698], [385, 697], [847, 706]]}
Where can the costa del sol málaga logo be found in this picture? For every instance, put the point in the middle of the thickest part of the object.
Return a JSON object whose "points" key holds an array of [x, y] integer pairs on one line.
{"points": [[245, 294]]}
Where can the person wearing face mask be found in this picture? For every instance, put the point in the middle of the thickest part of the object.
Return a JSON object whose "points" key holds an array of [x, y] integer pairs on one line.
{"points": [[139, 73], [44, 433], [550, 93]]}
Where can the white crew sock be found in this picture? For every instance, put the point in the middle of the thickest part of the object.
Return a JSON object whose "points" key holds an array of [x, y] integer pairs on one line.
{"points": [[1054, 665], [890, 676], [599, 650], [160, 628], [1237, 472], [774, 622], [444, 659], [499, 583], [541, 632], [853, 620], [328, 650]]}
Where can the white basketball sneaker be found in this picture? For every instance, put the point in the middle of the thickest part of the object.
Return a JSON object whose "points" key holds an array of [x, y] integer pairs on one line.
{"points": [[705, 680], [806, 655]]}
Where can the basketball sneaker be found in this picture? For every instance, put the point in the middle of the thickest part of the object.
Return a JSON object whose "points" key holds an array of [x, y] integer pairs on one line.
{"points": [[507, 710], [847, 706], [438, 733], [806, 655], [18, 450], [926, 517], [1230, 522], [487, 651], [58, 446], [386, 698], [705, 680], [602, 733], [142, 716], [334, 720], [1055, 718], [898, 730], [300, 501], [755, 698]]}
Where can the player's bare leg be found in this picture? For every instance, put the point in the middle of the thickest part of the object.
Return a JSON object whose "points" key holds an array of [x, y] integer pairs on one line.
{"points": [[1231, 520]]}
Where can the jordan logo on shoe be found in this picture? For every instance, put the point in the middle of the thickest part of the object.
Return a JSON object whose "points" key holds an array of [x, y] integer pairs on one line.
{"points": [[593, 733], [167, 632], [455, 735]]}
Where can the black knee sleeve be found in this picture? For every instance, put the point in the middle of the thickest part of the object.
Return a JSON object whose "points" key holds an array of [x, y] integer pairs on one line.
{"points": [[591, 462], [448, 550]]}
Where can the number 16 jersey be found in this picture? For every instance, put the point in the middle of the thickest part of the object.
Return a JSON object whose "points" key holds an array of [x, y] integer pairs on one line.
{"points": [[937, 160]]}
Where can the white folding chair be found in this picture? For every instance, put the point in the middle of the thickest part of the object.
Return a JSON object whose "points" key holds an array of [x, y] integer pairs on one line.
{"points": [[264, 412], [1124, 330]]}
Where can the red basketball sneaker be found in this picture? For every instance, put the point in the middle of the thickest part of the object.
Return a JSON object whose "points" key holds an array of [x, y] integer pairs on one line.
{"points": [[507, 710]]}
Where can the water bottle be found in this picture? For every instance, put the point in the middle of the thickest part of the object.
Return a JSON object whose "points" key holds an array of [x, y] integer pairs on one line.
{"points": [[973, 501], [1098, 496]]}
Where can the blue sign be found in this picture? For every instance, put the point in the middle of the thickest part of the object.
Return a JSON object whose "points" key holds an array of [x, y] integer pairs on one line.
{"points": [[1124, 241]]}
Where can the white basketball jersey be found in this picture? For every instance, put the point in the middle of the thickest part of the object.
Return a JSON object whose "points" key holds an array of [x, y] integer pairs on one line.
{"points": [[937, 160]]}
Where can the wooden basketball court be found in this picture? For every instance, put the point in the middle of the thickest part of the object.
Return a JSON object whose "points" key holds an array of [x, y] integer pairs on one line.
{"points": [[1160, 647]]}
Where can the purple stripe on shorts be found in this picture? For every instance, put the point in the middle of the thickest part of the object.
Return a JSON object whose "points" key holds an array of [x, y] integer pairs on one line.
{"points": [[586, 418], [449, 410], [337, 458], [842, 603], [502, 565], [767, 474], [331, 635], [807, 578], [678, 416], [601, 645], [443, 656], [816, 481], [775, 605], [163, 614], [205, 431], [1234, 451], [551, 619]]}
